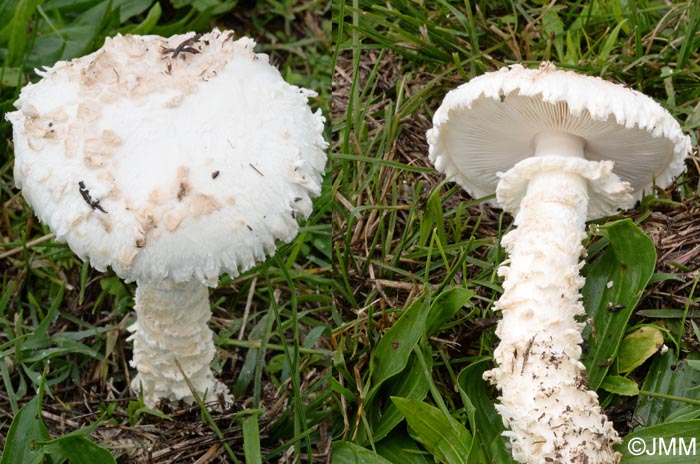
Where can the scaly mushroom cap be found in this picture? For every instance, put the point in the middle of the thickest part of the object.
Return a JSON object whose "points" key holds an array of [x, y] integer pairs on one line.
{"points": [[182, 157], [489, 124]]}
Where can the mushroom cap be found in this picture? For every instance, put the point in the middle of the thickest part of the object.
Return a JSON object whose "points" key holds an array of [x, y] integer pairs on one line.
{"points": [[486, 126], [181, 157]]}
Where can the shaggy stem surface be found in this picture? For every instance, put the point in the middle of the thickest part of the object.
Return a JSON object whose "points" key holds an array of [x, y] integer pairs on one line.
{"points": [[171, 324], [551, 414]]}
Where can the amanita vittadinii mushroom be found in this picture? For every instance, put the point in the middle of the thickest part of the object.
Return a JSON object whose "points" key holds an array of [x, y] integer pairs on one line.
{"points": [[170, 160], [558, 148]]}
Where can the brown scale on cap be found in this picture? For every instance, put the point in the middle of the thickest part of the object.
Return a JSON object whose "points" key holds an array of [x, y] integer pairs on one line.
{"points": [[202, 205]]}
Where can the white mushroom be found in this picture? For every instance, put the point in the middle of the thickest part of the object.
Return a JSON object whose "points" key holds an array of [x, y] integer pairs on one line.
{"points": [[170, 160], [557, 137]]}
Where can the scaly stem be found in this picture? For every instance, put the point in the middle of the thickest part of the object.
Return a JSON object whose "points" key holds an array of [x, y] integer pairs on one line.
{"points": [[545, 402], [171, 323]]}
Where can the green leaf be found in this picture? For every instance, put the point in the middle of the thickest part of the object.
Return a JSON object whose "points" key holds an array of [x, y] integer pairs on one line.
{"points": [[610, 42], [486, 424], [667, 376], [694, 363], [433, 218], [78, 449], [445, 306], [614, 284], [18, 31], [400, 448], [391, 354], [251, 440], [26, 430], [114, 286], [411, 383], [147, 25], [130, 8], [620, 385], [637, 347], [345, 452], [446, 439], [652, 445]]}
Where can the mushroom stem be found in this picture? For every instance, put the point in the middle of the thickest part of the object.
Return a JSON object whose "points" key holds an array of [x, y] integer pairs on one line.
{"points": [[171, 324], [552, 415]]}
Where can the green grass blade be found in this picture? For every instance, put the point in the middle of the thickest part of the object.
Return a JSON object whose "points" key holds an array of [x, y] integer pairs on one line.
{"points": [[251, 440]]}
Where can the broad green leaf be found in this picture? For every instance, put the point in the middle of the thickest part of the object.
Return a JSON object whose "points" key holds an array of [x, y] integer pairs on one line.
{"points": [[383, 415], [667, 376], [78, 449], [620, 385], [130, 8], [637, 347], [399, 448], [685, 412], [675, 442], [614, 284], [391, 354], [445, 306], [345, 452], [694, 363], [72, 40], [26, 430], [114, 286], [446, 439], [486, 424]]}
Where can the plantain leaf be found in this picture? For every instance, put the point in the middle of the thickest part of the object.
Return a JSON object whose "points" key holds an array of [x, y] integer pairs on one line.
{"points": [[675, 442], [383, 415], [620, 385], [637, 347], [445, 438], [614, 284], [671, 377], [445, 306], [484, 421], [391, 354], [26, 430], [345, 452], [78, 449], [399, 448]]}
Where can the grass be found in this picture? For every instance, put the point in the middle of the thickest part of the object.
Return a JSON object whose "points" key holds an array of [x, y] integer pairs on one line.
{"points": [[416, 258], [63, 351]]}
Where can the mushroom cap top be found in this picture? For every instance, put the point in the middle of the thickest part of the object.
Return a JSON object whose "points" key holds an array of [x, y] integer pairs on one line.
{"points": [[489, 124], [180, 157]]}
